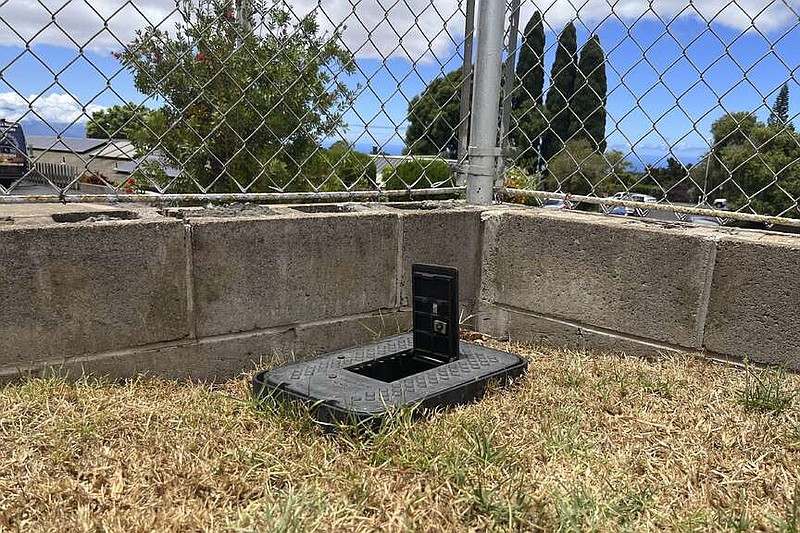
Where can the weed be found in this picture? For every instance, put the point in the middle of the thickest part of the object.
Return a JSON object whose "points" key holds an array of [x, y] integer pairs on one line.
{"points": [[738, 522], [482, 445], [766, 390], [631, 506], [286, 512], [560, 433], [656, 386], [577, 510], [513, 512]]}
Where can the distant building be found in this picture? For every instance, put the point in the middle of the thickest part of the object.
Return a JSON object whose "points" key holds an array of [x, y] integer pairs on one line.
{"points": [[100, 157]]}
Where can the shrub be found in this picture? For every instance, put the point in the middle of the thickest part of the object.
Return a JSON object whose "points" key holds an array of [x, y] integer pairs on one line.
{"points": [[419, 173], [340, 168]]}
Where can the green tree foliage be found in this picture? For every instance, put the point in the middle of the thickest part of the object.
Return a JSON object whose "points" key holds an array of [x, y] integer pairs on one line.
{"points": [[117, 122], [733, 129], [528, 124], [419, 173], [579, 168], [559, 96], [674, 180], [754, 165], [244, 110], [528, 120], [779, 115], [340, 168], [530, 66], [589, 101], [433, 117]]}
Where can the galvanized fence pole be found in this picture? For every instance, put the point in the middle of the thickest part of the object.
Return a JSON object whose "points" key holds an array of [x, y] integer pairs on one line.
{"points": [[466, 95], [509, 83], [483, 149]]}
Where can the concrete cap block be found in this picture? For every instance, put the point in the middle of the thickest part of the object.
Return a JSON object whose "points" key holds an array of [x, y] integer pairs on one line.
{"points": [[450, 237], [319, 338], [76, 289], [645, 280], [753, 311], [261, 273], [543, 331]]}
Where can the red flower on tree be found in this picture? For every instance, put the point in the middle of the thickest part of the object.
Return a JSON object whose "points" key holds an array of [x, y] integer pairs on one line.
{"points": [[229, 15], [200, 56], [116, 54]]}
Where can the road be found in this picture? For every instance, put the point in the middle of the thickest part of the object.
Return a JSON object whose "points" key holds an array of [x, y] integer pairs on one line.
{"points": [[29, 188]]}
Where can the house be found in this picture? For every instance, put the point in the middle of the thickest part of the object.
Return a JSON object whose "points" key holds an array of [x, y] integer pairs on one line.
{"points": [[101, 157]]}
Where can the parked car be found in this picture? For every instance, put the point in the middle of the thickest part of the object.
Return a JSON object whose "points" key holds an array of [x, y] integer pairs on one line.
{"points": [[631, 197], [556, 204], [13, 152]]}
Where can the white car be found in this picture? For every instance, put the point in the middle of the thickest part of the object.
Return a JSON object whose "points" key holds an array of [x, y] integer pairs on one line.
{"points": [[556, 204], [632, 197]]}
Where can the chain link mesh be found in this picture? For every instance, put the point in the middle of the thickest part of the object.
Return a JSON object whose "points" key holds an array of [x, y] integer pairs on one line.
{"points": [[656, 106], [216, 97], [627, 105]]}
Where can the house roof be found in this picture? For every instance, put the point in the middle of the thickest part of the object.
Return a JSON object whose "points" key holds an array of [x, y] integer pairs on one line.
{"points": [[64, 144], [129, 166]]}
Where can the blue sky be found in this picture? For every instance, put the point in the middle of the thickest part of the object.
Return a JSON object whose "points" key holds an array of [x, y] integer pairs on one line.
{"points": [[668, 80]]}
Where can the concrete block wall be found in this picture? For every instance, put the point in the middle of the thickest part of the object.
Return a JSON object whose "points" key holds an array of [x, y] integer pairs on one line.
{"points": [[619, 284], [208, 297]]}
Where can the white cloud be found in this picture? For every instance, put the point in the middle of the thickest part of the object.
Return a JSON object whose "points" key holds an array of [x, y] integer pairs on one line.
{"points": [[764, 15], [417, 29], [52, 108]]}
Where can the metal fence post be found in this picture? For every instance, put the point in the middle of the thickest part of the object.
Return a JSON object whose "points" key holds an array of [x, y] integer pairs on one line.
{"points": [[466, 95], [483, 150]]}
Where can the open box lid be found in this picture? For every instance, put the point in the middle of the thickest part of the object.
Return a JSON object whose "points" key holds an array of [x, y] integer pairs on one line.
{"points": [[435, 307]]}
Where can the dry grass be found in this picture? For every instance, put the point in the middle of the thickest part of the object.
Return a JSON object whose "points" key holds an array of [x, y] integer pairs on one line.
{"points": [[583, 442]]}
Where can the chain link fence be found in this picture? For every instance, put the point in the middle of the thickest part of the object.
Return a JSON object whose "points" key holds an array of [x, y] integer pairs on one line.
{"points": [[629, 107], [661, 109], [216, 99]]}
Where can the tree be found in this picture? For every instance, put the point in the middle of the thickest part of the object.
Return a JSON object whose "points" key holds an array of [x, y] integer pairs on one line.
{"points": [[779, 115], [673, 179], [530, 66], [528, 124], [754, 166], [527, 118], [243, 109], [589, 100], [433, 117], [419, 174], [340, 168], [579, 168], [559, 95], [117, 122]]}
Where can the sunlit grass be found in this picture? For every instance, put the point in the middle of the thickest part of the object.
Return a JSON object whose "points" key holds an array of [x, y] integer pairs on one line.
{"points": [[583, 442]]}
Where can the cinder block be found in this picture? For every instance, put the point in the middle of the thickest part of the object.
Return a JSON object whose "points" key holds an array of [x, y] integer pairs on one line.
{"points": [[543, 331], [215, 359], [262, 273], [450, 237], [642, 279], [754, 311], [74, 289], [320, 338]]}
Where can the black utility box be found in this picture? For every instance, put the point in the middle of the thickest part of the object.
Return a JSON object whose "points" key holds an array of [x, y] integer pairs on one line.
{"points": [[429, 367]]}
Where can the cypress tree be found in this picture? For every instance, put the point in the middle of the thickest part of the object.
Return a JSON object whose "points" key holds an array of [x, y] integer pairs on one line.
{"points": [[589, 100], [559, 95], [530, 66], [779, 115]]}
